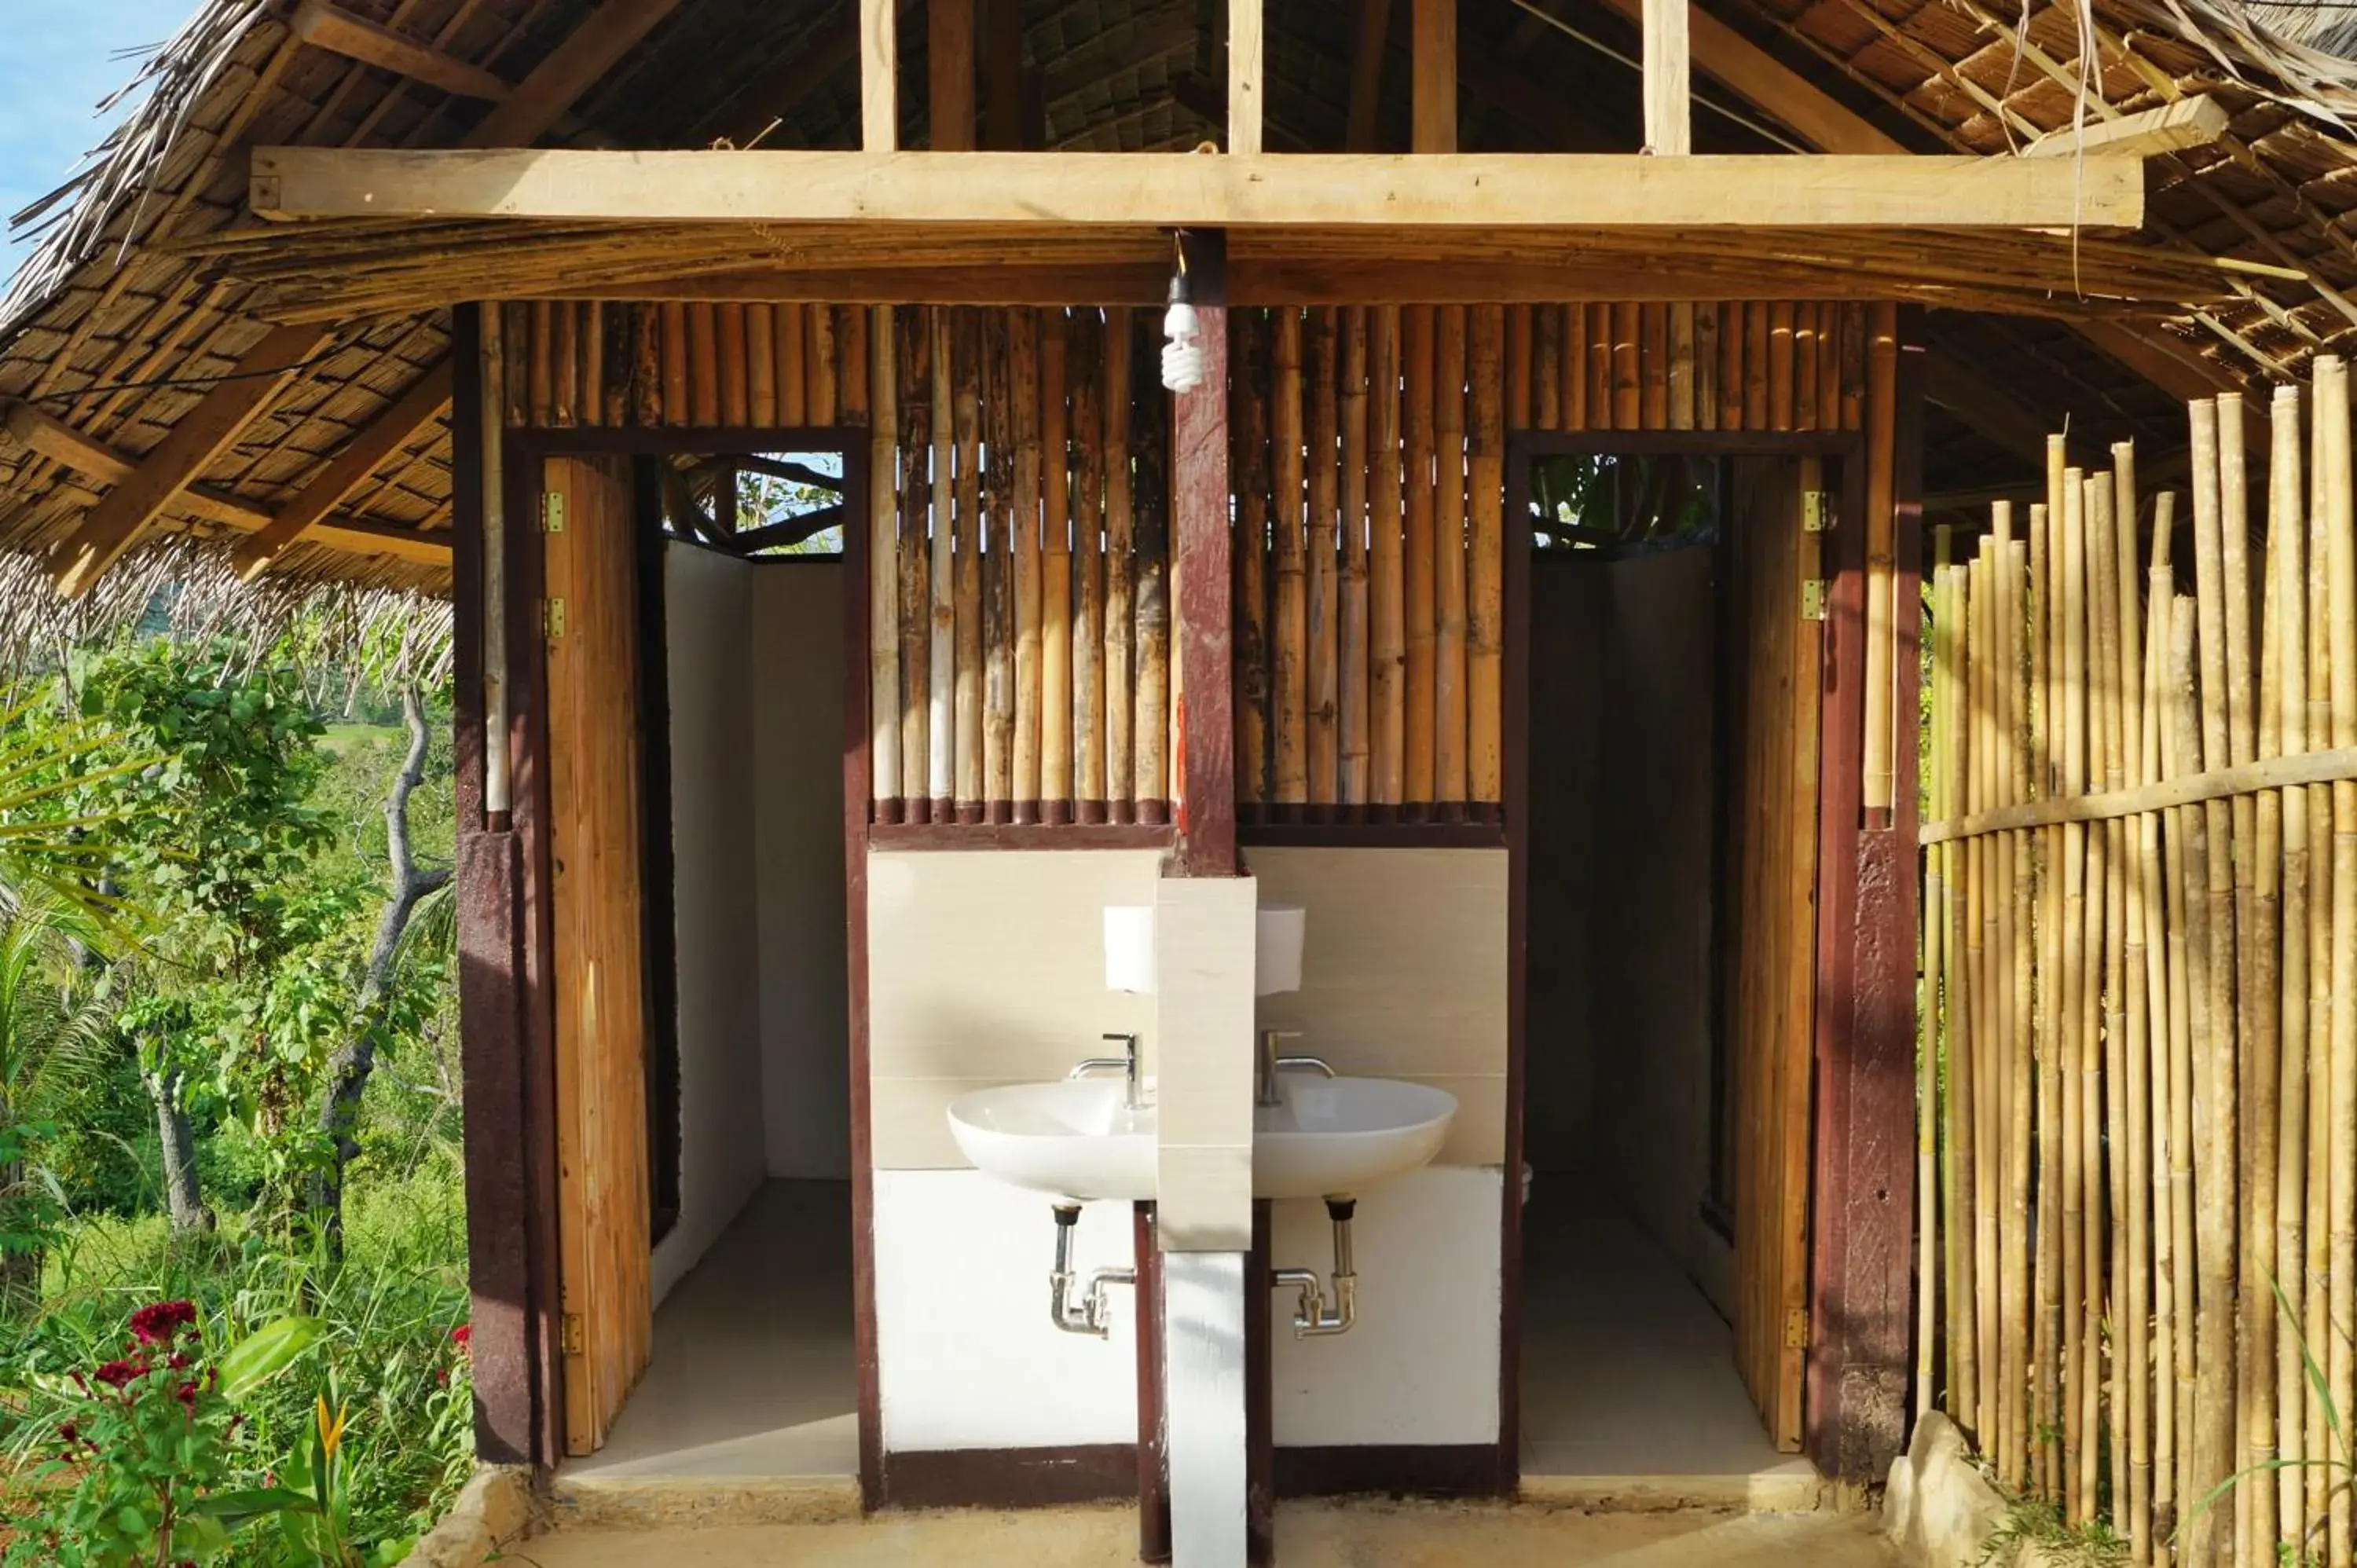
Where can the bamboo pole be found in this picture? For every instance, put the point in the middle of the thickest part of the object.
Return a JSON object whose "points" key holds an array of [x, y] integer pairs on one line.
{"points": [[1829, 386], [1087, 358], [819, 381], [1356, 759], [1681, 365], [736, 366], [996, 520], [1654, 356], [565, 321], [2262, 1080], [1323, 559], [2140, 850], [1386, 696], [1521, 355], [1706, 365], [1734, 334], [1252, 551], [761, 364], [2189, 914], [1804, 366], [2105, 1098], [2009, 1063], [2288, 631], [2333, 456], [941, 699], [1547, 380], [1485, 628], [2317, 1222], [1575, 400], [1419, 326], [1450, 678], [593, 363], [915, 334], [644, 398], [1602, 404], [541, 375], [1931, 1006], [2076, 1042], [1023, 386], [793, 371], [1757, 361], [1291, 656], [1056, 578], [1628, 366], [851, 403], [1120, 573], [2042, 1421], [2164, 972], [1970, 1065], [1955, 1102], [702, 363], [883, 577]]}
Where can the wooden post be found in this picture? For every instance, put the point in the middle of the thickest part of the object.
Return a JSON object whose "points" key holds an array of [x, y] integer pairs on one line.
{"points": [[1434, 51], [1204, 793], [1669, 116], [949, 52], [1247, 73]]}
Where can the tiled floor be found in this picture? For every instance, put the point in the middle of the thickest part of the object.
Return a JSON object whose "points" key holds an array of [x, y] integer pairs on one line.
{"points": [[1626, 1369], [752, 1373]]}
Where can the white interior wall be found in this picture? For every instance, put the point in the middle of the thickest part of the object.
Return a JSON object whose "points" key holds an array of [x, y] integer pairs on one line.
{"points": [[794, 683], [707, 602]]}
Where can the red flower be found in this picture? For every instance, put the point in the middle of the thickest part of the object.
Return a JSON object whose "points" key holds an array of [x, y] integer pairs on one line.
{"points": [[156, 1324], [177, 1362], [187, 1394], [70, 1432], [114, 1374], [463, 1336]]}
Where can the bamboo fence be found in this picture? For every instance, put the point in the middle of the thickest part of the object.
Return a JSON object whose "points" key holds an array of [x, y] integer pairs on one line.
{"points": [[1020, 612], [2138, 1086]]}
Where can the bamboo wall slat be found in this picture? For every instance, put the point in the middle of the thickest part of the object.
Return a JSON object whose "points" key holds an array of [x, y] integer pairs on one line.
{"points": [[1027, 565], [2137, 1079]]}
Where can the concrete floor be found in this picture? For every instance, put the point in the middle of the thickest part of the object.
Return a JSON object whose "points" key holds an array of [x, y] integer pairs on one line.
{"points": [[753, 1373], [1309, 1535], [1627, 1368]]}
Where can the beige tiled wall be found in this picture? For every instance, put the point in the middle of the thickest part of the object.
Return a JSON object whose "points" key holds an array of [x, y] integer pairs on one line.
{"points": [[986, 967], [1402, 974]]}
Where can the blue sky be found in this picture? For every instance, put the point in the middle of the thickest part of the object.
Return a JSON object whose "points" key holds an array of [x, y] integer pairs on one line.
{"points": [[58, 58]]}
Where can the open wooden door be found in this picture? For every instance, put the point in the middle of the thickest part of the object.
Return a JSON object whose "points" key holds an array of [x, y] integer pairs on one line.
{"points": [[1771, 956], [603, 1218]]}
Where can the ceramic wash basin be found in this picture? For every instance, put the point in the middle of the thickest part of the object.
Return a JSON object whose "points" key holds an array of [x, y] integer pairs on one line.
{"points": [[1071, 1138], [1337, 1136]]}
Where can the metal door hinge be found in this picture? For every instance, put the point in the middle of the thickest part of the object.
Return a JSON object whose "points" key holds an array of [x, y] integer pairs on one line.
{"points": [[1816, 511], [569, 1334], [1812, 599], [552, 513], [1796, 1329], [552, 617]]}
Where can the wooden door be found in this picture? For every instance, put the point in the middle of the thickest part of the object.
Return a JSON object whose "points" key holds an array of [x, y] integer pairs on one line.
{"points": [[1772, 953], [603, 1221]]}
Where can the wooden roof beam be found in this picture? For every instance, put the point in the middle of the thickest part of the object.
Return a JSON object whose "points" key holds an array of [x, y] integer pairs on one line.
{"points": [[1247, 77], [572, 69], [328, 26], [2171, 128], [1365, 119], [204, 434], [96, 461], [1186, 190], [879, 65], [389, 433], [1669, 101], [1432, 48]]}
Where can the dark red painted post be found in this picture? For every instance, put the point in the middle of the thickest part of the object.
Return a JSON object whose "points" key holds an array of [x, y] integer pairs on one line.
{"points": [[1862, 1221], [1206, 784]]}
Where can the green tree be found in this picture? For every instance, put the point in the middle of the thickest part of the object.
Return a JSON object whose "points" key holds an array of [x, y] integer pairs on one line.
{"points": [[55, 1041]]}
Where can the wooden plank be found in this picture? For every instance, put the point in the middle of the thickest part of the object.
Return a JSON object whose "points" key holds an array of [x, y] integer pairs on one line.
{"points": [[392, 429], [949, 74], [331, 28], [1247, 77], [1433, 48], [594, 822], [204, 434], [1204, 793], [2195, 122], [572, 69], [1474, 190], [879, 92], [1363, 128], [1669, 109]]}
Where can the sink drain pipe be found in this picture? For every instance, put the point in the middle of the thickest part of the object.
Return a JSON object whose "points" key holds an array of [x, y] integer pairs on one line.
{"points": [[1092, 1313], [1311, 1319]]}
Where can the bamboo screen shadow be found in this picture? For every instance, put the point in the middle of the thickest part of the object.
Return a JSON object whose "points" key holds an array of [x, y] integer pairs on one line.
{"points": [[1019, 540], [2139, 1067]]}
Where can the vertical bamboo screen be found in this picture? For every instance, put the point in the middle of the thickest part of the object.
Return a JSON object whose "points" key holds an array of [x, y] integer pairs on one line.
{"points": [[2138, 1090], [1370, 471], [1019, 537]]}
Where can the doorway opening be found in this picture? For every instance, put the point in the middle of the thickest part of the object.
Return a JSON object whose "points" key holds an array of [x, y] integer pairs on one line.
{"points": [[1673, 690], [695, 679]]}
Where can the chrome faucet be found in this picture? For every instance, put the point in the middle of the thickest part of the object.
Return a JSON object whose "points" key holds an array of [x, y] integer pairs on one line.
{"points": [[1271, 1064], [1126, 1064]]}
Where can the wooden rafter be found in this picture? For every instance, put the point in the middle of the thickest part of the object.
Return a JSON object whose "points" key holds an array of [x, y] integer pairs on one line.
{"points": [[204, 434], [1433, 47], [1178, 189], [1669, 105], [1367, 77], [2171, 128], [1247, 77], [329, 26], [96, 461], [572, 69], [879, 92], [387, 433]]}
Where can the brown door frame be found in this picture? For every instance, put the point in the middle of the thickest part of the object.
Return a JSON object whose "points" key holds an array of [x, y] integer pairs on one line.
{"points": [[507, 1001], [1833, 1174]]}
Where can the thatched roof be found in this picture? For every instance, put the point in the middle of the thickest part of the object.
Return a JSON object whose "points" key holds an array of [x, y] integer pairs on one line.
{"points": [[115, 327]]}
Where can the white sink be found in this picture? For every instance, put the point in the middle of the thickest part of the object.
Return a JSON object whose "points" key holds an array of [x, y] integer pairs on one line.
{"points": [[1072, 1138], [1337, 1136]]}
